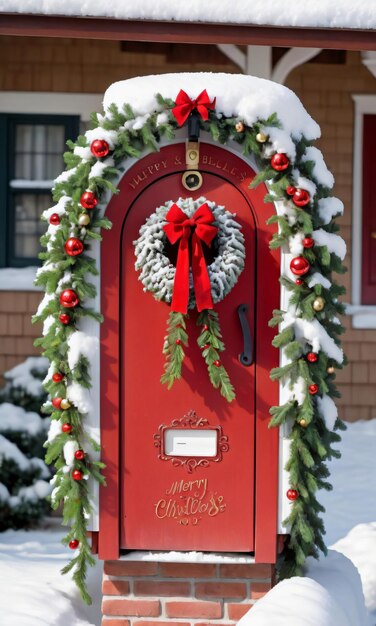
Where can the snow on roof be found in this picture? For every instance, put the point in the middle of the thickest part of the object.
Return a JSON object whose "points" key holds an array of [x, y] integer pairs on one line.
{"points": [[246, 97], [352, 14]]}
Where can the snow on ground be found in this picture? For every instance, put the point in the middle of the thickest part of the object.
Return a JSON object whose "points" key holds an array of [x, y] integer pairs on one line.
{"points": [[33, 593], [329, 595], [353, 499], [358, 545], [339, 14]]}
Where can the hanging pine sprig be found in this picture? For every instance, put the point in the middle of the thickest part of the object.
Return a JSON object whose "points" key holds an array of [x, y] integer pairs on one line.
{"points": [[211, 344], [174, 343]]}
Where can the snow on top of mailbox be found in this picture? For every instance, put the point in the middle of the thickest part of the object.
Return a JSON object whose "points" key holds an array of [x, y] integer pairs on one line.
{"points": [[247, 97], [295, 13]]}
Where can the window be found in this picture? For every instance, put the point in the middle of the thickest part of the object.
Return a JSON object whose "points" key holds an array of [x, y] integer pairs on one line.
{"points": [[368, 211], [31, 157], [363, 290]]}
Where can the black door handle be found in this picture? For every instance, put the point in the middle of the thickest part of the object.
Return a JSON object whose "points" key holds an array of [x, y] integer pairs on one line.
{"points": [[246, 357]]}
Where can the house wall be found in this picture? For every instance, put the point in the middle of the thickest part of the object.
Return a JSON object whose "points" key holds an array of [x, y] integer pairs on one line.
{"points": [[17, 334], [72, 65], [326, 92], [63, 65]]}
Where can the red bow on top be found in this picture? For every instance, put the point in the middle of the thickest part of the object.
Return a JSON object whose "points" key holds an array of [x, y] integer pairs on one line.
{"points": [[179, 226], [184, 106]]}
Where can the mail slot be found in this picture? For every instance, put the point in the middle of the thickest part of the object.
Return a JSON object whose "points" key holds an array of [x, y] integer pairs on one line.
{"points": [[194, 471], [190, 443]]}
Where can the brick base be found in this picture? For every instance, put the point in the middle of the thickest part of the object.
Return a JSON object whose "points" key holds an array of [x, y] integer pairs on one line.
{"points": [[138, 593]]}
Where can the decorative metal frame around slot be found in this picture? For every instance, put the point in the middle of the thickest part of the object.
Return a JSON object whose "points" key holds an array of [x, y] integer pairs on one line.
{"points": [[192, 421]]}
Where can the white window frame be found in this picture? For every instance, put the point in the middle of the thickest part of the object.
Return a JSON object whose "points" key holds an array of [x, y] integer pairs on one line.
{"points": [[363, 316], [39, 102]]}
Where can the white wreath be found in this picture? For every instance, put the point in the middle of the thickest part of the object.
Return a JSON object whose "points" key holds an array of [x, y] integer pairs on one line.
{"points": [[158, 273]]}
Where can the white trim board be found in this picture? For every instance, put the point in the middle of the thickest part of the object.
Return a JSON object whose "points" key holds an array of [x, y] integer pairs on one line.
{"points": [[362, 316], [47, 102]]}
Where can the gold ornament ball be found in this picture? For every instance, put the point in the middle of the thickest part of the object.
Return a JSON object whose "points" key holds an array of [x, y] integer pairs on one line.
{"points": [[303, 423], [330, 369], [65, 404], [239, 127], [318, 303], [84, 219], [261, 137]]}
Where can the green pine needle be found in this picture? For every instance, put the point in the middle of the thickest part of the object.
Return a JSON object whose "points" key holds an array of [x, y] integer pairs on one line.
{"points": [[173, 348], [211, 336]]}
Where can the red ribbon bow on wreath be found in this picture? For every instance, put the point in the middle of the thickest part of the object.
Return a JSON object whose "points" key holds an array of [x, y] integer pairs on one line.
{"points": [[180, 226], [184, 106]]}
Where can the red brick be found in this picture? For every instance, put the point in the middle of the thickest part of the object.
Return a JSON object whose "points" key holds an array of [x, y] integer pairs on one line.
{"points": [[115, 587], [220, 590], [207, 610], [130, 568], [159, 623], [236, 611], [115, 622], [245, 570], [258, 590], [138, 608], [188, 570], [161, 588], [209, 624]]}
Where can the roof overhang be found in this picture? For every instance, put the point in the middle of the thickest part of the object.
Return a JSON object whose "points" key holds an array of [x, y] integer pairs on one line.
{"points": [[21, 24]]}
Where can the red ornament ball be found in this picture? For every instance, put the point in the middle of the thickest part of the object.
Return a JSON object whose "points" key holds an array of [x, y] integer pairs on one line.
{"points": [[67, 428], [205, 327], [77, 475], [217, 363], [56, 402], [313, 389], [69, 298], [73, 544], [308, 242], [299, 266], [79, 455], [57, 377], [292, 494], [312, 357], [64, 318], [74, 246], [279, 162], [290, 190], [299, 281], [206, 346], [88, 200], [55, 219], [178, 342], [99, 148], [301, 197]]}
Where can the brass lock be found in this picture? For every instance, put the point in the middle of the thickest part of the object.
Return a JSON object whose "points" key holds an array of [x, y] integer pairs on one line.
{"points": [[192, 179]]}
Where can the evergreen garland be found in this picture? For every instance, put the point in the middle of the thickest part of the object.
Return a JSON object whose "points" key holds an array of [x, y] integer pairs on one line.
{"points": [[311, 439]]}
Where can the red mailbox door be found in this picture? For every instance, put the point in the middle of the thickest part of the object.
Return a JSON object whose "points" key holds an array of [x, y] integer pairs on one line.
{"points": [[204, 501]]}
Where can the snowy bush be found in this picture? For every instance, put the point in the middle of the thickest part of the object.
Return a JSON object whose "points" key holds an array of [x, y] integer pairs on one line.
{"points": [[24, 476], [24, 384]]}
